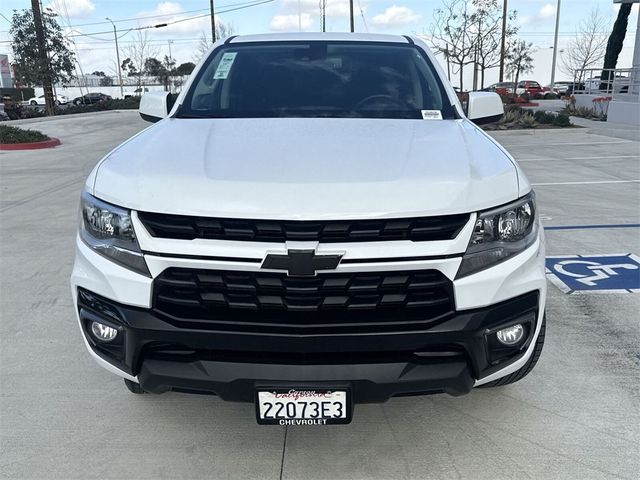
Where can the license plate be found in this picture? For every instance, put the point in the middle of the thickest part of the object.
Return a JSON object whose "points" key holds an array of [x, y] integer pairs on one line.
{"points": [[303, 407]]}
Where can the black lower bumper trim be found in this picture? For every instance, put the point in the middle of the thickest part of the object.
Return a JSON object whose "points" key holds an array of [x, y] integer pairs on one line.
{"points": [[368, 382], [446, 358]]}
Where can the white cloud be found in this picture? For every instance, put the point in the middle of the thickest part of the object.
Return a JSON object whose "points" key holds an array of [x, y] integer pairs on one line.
{"points": [[395, 16], [72, 8], [291, 22], [546, 12]]}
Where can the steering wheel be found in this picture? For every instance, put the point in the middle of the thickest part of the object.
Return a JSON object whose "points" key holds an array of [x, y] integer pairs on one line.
{"points": [[380, 99]]}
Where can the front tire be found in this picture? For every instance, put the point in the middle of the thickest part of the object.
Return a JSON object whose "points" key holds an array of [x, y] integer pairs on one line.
{"points": [[133, 387], [527, 367], [33, 102]]}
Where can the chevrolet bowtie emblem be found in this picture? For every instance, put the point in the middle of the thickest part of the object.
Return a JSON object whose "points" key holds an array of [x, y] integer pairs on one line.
{"points": [[301, 262]]}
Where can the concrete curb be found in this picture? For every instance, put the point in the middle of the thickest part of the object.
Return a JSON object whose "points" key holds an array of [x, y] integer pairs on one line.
{"points": [[52, 142]]}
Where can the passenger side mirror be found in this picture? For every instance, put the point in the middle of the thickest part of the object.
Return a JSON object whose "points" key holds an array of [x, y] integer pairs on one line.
{"points": [[154, 106], [484, 107]]}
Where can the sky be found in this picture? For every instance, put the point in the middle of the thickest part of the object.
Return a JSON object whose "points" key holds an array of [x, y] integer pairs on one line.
{"points": [[95, 48]]}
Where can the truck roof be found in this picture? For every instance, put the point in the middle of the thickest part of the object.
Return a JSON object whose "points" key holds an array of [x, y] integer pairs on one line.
{"points": [[310, 36]]}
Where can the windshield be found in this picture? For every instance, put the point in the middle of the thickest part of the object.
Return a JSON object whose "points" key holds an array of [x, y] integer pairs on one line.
{"points": [[317, 79]]}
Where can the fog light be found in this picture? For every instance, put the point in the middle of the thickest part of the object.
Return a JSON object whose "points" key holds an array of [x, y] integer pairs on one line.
{"points": [[510, 335], [103, 332]]}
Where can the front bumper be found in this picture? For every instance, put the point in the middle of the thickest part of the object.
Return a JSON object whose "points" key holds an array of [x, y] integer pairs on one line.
{"points": [[447, 358], [450, 357]]}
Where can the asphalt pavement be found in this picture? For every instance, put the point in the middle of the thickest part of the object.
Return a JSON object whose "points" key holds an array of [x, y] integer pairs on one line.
{"points": [[576, 416]]}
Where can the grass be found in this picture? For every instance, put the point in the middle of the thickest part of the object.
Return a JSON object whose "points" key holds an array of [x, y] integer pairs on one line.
{"points": [[20, 135]]}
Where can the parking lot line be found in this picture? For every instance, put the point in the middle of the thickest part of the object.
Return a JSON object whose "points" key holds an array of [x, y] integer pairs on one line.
{"points": [[555, 159], [586, 227], [581, 144], [595, 182]]}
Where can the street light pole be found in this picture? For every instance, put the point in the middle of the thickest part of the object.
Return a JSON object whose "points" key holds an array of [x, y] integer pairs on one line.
{"points": [[351, 15], [555, 47], [115, 36]]}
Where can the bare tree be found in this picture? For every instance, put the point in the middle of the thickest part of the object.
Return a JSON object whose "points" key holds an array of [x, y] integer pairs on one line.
{"points": [[223, 30], [519, 60], [451, 35], [587, 48], [486, 23], [138, 51]]}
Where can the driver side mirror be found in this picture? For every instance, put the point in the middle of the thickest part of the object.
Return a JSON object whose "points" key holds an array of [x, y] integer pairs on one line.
{"points": [[484, 107], [154, 106]]}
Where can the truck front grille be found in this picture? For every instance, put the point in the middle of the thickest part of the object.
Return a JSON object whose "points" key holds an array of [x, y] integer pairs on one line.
{"points": [[334, 231], [329, 303]]}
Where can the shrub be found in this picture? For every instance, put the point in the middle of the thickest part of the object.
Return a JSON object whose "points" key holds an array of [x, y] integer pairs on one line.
{"points": [[130, 103], [10, 134], [562, 120], [510, 116], [527, 120], [543, 117], [583, 112], [516, 109]]}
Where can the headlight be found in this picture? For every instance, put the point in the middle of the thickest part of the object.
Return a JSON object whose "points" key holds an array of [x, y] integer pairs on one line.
{"points": [[500, 234], [108, 230]]}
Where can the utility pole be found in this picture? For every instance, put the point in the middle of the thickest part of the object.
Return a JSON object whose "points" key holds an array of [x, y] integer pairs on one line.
{"points": [[555, 47], [115, 36], [43, 59], [503, 47], [170, 64], [213, 22], [351, 15]]}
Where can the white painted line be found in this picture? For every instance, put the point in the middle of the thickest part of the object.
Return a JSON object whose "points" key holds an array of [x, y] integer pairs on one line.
{"points": [[586, 144], [547, 159], [585, 183]]}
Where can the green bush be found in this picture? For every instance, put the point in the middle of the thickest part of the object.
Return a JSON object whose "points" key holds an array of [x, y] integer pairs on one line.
{"points": [[19, 135], [527, 120], [583, 112], [562, 120], [543, 117], [131, 103]]}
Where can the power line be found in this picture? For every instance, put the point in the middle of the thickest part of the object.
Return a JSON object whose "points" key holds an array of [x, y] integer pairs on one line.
{"points": [[160, 25], [133, 19]]}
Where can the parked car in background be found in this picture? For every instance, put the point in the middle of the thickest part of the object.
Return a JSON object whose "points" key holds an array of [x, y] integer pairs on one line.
{"points": [[58, 99], [500, 87], [574, 88], [91, 98], [560, 88], [531, 88], [618, 85]]}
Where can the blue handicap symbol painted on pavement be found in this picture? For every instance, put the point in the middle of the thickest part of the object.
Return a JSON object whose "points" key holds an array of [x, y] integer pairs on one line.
{"points": [[595, 273]]}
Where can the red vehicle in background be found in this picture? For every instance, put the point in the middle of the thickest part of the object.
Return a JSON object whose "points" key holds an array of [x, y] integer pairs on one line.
{"points": [[531, 88]]}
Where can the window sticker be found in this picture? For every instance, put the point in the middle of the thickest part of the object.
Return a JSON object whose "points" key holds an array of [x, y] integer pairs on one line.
{"points": [[431, 114], [224, 67]]}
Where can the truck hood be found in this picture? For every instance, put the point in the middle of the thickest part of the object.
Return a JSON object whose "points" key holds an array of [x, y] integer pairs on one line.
{"points": [[308, 168]]}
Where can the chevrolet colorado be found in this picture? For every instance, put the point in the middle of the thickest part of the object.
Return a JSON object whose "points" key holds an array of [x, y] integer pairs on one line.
{"points": [[316, 222]]}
